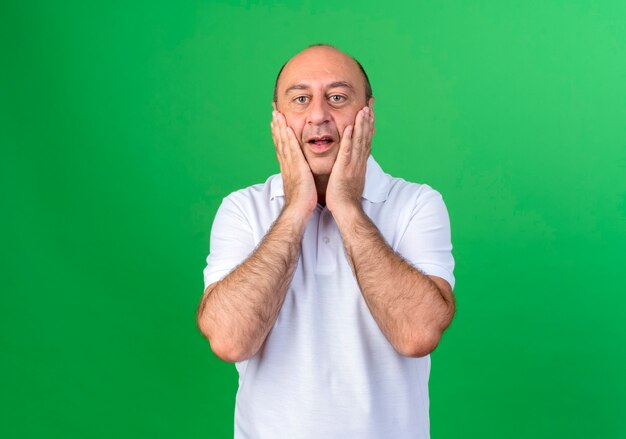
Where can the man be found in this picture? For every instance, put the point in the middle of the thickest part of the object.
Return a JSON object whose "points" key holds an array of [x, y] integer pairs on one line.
{"points": [[329, 284]]}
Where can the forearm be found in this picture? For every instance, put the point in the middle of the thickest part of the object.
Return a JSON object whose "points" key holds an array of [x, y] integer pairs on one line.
{"points": [[410, 309], [237, 313]]}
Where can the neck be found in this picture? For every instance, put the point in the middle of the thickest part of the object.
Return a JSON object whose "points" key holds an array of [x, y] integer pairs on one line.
{"points": [[321, 182]]}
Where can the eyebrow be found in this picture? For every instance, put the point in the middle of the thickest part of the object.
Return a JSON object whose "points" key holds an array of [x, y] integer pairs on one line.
{"points": [[336, 84]]}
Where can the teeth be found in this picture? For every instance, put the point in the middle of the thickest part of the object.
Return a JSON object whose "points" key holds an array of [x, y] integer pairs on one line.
{"points": [[323, 139]]}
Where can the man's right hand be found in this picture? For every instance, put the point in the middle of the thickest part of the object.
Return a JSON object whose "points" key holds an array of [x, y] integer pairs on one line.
{"points": [[298, 182]]}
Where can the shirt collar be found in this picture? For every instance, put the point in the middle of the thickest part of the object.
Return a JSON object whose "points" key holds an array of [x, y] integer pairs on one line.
{"points": [[375, 190], [377, 183]]}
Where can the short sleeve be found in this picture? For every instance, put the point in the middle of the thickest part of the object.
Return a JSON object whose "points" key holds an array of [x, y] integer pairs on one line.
{"points": [[426, 242], [231, 241]]}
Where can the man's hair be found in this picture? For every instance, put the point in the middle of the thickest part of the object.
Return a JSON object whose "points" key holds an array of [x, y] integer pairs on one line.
{"points": [[368, 86]]}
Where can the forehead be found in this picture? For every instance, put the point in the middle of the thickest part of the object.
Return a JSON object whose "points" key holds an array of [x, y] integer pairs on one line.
{"points": [[320, 66]]}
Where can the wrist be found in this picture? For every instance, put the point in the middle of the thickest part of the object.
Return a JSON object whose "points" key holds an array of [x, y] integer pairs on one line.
{"points": [[295, 218], [347, 214]]}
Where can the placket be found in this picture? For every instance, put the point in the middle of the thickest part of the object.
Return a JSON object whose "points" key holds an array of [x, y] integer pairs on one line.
{"points": [[328, 242]]}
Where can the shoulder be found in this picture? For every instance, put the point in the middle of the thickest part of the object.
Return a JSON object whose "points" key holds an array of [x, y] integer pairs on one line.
{"points": [[405, 194], [395, 192], [257, 193], [256, 206]]}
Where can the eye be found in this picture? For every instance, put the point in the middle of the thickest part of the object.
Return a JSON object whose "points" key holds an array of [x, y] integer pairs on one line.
{"points": [[337, 98], [301, 99]]}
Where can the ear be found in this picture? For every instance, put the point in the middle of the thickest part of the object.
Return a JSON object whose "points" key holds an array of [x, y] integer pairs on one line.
{"points": [[370, 102], [274, 105]]}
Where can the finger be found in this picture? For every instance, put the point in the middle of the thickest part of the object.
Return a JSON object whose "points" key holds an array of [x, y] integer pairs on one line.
{"points": [[370, 129], [294, 144], [367, 141], [290, 144], [282, 133], [278, 144], [345, 146], [277, 136], [360, 131], [282, 143], [360, 126], [273, 130], [362, 145]]}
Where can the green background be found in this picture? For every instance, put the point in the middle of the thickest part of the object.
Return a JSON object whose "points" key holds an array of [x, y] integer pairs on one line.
{"points": [[123, 125]]}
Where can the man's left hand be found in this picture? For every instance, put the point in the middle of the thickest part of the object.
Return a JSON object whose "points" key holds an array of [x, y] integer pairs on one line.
{"points": [[347, 178]]}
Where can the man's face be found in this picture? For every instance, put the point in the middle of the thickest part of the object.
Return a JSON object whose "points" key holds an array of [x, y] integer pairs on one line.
{"points": [[320, 92]]}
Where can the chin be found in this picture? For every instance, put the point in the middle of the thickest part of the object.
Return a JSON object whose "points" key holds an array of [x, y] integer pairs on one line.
{"points": [[322, 166]]}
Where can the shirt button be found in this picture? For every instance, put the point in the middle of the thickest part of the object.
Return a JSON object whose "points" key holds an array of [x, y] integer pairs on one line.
{"points": [[325, 239]]}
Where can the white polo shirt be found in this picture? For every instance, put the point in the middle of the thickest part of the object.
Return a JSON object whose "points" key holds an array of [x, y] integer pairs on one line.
{"points": [[326, 370]]}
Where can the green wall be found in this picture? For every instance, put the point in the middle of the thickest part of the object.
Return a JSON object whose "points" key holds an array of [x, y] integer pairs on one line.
{"points": [[124, 124]]}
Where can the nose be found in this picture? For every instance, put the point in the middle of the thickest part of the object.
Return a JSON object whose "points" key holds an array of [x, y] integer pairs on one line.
{"points": [[319, 112]]}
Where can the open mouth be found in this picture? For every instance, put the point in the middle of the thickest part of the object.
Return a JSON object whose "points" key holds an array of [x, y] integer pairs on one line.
{"points": [[320, 141]]}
